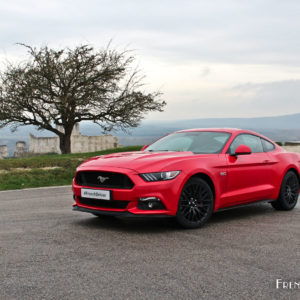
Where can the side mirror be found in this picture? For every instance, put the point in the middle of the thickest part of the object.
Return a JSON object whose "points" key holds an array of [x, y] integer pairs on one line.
{"points": [[242, 150], [144, 147]]}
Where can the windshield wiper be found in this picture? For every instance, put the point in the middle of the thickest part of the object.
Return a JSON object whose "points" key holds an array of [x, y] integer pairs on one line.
{"points": [[160, 150]]}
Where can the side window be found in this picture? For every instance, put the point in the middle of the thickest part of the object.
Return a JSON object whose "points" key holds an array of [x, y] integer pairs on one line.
{"points": [[239, 140], [252, 141], [267, 145]]}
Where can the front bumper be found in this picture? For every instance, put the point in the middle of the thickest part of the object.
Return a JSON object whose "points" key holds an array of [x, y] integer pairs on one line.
{"points": [[167, 191], [115, 213]]}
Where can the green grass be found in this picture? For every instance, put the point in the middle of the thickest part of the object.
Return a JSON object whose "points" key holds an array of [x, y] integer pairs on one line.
{"points": [[31, 173]]}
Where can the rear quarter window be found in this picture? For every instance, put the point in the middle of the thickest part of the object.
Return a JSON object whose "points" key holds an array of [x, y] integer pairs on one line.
{"points": [[268, 146]]}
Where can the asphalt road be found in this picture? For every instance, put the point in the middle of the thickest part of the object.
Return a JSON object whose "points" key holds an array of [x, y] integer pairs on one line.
{"points": [[48, 251]]}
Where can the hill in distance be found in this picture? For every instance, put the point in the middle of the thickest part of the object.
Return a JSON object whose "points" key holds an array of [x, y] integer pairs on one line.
{"points": [[279, 128]]}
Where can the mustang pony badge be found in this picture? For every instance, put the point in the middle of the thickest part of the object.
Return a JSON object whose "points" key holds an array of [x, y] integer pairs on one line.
{"points": [[102, 179]]}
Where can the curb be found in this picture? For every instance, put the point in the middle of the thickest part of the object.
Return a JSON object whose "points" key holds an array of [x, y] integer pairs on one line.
{"points": [[37, 188]]}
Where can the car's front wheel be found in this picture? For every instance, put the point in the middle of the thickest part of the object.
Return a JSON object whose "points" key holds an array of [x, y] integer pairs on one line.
{"points": [[196, 203], [289, 192]]}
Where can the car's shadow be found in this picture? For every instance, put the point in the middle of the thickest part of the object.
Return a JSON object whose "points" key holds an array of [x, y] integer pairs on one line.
{"points": [[152, 225], [134, 225]]}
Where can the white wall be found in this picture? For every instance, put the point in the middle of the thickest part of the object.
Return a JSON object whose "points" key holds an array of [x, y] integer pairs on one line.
{"points": [[3, 151], [294, 148], [43, 144], [79, 143]]}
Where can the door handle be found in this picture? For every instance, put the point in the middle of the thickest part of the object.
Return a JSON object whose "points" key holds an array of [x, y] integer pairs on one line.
{"points": [[266, 161]]}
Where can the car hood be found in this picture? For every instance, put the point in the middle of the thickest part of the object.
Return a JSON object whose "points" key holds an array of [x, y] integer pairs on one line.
{"points": [[140, 161]]}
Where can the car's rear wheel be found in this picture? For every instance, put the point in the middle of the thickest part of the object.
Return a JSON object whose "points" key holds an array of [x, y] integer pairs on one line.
{"points": [[196, 203], [289, 192]]}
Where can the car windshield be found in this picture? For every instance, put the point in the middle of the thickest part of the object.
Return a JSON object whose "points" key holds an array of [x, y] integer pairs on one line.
{"points": [[207, 142]]}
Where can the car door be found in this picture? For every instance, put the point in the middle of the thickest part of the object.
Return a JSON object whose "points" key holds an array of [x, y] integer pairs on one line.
{"points": [[249, 177]]}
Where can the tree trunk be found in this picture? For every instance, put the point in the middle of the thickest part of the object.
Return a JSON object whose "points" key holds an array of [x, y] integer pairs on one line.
{"points": [[65, 143]]}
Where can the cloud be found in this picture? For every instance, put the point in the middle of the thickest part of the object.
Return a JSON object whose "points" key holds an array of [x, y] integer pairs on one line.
{"points": [[247, 100], [200, 53], [205, 72], [276, 97], [216, 31]]}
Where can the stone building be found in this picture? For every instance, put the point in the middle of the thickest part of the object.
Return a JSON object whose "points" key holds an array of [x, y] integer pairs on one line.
{"points": [[21, 149], [292, 146], [3, 151], [79, 143]]}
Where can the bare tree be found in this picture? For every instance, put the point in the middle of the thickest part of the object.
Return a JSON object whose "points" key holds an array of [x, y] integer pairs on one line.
{"points": [[67, 86]]}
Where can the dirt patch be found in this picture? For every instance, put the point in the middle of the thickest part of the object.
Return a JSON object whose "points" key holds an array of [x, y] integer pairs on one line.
{"points": [[28, 169]]}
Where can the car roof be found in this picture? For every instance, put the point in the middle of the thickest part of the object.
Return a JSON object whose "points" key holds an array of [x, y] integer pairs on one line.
{"points": [[233, 131], [230, 130]]}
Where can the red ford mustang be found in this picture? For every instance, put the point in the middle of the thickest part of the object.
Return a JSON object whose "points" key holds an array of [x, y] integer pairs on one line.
{"points": [[189, 174]]}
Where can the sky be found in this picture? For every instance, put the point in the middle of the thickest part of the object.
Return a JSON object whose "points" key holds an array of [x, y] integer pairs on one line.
{"points": [[209, 58]]}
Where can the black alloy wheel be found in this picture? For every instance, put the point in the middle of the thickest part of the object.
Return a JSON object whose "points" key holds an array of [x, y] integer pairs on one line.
{"points": [[196, 203], [289, 192]]}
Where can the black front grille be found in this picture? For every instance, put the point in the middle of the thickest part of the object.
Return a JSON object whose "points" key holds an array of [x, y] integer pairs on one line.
{"points": [[110, 180], [103, 203]]}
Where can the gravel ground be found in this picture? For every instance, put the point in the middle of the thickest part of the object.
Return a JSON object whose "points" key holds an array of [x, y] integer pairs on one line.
{"points": [[48, 251]]}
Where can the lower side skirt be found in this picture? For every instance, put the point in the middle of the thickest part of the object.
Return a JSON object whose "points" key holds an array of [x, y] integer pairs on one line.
{"points": [[245, 204]]}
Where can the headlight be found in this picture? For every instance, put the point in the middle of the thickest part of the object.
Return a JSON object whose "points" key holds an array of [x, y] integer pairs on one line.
{"points": [[159, 176]]}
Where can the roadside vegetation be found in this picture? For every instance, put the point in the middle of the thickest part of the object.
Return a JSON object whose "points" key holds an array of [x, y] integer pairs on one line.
{"points": [[45, 170]]}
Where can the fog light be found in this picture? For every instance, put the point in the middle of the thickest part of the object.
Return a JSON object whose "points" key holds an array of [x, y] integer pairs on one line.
{"points": [[150, 203]]}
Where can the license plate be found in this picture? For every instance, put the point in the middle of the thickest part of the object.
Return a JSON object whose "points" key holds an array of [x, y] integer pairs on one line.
{"points": [[95, 194]]}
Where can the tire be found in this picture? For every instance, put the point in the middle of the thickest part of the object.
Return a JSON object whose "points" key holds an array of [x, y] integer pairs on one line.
{"points": [[289, 192], [196, 203]]}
